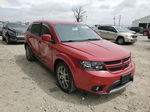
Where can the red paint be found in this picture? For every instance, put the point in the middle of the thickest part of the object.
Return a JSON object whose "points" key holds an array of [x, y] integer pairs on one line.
{"points": [[70, 53]]}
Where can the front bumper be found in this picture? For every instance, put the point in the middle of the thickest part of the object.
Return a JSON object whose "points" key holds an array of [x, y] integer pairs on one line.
{"points": [[110, 82], [17, 39], [132, 40]]}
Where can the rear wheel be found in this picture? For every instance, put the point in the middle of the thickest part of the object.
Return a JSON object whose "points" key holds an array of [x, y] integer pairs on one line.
{"points": [[148, 36], [29, 54], [120, 41], [64, 78]]}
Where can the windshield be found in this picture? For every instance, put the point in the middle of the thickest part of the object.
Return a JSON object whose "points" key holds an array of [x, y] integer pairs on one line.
{"points": [[15, 25], [122, 29], [1, 25], [75, 32]]}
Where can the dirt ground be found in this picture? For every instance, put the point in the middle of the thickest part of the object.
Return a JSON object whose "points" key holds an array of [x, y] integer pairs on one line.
{"points": [[31, 87]]}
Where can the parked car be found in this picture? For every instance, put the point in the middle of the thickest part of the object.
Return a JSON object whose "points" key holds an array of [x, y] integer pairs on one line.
{"points": [[116, 33], [136, 29], [79, 57], [1, 26], [13, 32], [146, 32]]}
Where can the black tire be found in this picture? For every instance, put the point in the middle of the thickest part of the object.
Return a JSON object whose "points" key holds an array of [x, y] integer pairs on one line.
{"points": [[64, 78], [3, 39], [8, 41], [29, 54], [145, 33], [120, 40], [148, 36]]}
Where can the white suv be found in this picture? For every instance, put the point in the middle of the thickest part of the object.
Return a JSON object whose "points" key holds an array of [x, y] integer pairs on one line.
{"points": [[117, 33]]}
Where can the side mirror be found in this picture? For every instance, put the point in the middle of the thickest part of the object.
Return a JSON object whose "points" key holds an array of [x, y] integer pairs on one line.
{"points": [[47, 37]]}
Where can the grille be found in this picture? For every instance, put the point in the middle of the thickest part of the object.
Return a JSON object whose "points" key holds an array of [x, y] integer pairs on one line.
{"points": [[118, 64], [19, 34], [126, 59], [115, 68], [113, 62]]}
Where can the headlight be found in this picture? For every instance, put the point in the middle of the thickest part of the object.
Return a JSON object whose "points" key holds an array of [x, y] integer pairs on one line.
{"points": [[129, 36], [11, 33], [92, 65]]}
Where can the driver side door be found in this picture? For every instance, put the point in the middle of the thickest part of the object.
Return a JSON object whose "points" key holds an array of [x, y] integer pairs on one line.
{"points": [[46, 47]]}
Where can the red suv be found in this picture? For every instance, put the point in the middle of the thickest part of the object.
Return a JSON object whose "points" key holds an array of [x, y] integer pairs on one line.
{"points": [[79, 57]]}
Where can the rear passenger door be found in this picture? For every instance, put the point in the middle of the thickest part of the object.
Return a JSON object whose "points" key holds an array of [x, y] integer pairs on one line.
{"points": [[103, 31], [34, 37], [111, 33], [46, 48]]}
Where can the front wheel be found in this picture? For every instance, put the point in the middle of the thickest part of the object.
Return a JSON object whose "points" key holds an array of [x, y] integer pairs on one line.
{"points": [[120, 41], [148, 36], [8, 41], [3, 39], [64, 78]]}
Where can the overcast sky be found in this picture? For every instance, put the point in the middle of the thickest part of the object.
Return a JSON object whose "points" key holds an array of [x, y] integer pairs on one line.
{"points": [[97, 11]]}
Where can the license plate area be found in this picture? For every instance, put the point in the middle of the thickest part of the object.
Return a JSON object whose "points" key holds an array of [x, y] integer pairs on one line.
{"points": [[125, 78]]}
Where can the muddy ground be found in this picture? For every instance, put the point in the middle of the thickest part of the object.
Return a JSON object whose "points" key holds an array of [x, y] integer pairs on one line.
{"points": [[31, 87]]}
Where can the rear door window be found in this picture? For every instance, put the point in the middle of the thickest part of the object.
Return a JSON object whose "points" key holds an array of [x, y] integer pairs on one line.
{"points": [[45, 30]]}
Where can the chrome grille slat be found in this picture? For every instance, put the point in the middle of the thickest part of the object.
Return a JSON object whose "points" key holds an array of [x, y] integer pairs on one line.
{"points": [[118, 65]]}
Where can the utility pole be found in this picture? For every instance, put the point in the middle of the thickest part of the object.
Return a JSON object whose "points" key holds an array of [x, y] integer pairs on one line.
{"points": [[114, 20], [119, 20]]}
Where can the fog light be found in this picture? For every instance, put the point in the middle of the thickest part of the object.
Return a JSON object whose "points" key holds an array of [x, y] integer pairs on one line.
{"points": [[98, 88]]}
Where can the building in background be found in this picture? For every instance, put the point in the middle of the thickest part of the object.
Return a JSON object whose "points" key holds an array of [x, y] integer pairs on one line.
{"points": [[142, 22]]}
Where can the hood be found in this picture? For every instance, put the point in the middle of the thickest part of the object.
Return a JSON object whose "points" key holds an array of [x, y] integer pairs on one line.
{"points": [[101, 50], [128, 33], [18, 29]]}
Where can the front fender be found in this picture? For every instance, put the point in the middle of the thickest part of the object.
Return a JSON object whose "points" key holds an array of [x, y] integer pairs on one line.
{"points": [[70, 61]]}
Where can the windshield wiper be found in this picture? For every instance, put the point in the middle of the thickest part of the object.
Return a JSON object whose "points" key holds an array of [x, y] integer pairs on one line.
{"points": [[69, 41], [93, 39], [80, 40]]}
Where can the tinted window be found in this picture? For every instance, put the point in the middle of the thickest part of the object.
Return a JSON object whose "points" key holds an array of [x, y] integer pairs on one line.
{"points": [[112, 29], [29, 28], [45, 30], [102, 28], [36, 29]]}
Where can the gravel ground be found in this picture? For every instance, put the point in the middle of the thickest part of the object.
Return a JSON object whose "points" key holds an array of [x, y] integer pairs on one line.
{"points": [[31, 87]]}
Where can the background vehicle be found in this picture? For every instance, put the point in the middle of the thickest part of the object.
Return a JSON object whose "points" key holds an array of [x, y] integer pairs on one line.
{"points": [[13, 32], [79, 57], [146, 32], [1, 26], [116, 33], [136, 29]]}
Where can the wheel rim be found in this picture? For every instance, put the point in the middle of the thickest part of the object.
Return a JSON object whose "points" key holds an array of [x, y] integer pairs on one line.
{"points": [[63, 77], [120, 41]]}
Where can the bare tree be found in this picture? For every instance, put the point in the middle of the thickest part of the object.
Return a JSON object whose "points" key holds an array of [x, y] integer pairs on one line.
{"points": [[79, 13]]}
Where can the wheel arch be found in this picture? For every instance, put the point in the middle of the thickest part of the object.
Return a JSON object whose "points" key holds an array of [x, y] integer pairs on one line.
{"points": [[69, 61], [120, 37]]}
